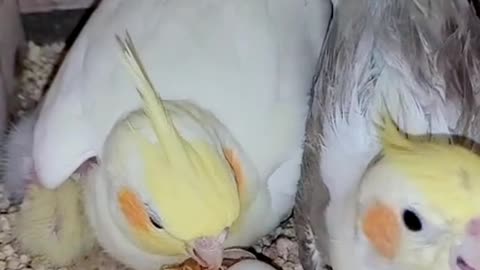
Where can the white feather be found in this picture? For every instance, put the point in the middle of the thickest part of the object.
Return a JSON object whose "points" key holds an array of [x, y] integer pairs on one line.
{"points": [[248, 62]]}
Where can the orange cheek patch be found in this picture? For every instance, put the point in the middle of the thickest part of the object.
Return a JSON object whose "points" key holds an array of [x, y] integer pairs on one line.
{"points": [[133, 209], [236, 167], [382, 229]]}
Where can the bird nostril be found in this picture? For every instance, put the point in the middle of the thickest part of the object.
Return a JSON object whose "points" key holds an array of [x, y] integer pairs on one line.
{"points": [[463, 265]]}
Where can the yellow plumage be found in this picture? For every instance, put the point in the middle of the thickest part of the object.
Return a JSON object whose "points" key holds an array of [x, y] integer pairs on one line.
{"points": [[52, 223], [448, 174], [199, 170]]}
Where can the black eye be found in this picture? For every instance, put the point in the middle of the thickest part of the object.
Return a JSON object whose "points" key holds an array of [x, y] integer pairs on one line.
{"points": [[154, 218], [412, 221], [155, 223]]}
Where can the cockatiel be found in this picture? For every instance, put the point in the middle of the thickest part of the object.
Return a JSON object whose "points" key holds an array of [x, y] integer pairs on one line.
{"points": [[220, 169], [390, 174]]}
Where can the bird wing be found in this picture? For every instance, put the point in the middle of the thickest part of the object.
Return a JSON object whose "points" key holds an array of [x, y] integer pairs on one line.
{"points": [[242, 60]]}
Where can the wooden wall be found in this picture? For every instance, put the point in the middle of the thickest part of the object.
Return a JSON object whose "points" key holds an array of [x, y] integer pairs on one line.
{"points": [[33, 6], [12, 43]]}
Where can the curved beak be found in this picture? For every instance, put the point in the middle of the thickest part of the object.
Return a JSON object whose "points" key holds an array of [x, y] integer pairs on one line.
{"points": [[208, 251]]}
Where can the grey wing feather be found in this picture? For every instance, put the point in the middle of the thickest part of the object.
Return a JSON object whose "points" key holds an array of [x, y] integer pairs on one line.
{"points": [[312, 195], [433, 45], [311, 200]]}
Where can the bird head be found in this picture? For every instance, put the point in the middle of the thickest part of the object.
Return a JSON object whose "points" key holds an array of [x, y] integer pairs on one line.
{"points": [[173, 183], [419, 205]]}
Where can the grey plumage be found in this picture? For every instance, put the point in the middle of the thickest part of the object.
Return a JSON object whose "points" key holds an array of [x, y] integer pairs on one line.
{"points": [[429, 49], [17, 157], [432, 44]]}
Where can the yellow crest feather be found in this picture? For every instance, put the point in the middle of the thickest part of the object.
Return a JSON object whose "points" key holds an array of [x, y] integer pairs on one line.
{"points": [[392, 138], [190, 182], [153, 105]]}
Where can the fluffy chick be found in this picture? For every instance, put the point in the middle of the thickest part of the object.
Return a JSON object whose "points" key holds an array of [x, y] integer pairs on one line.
{"points": [[50, 223]]}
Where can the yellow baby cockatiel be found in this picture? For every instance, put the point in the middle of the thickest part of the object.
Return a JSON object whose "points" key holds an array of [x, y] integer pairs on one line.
{"points": [[212, 159]]}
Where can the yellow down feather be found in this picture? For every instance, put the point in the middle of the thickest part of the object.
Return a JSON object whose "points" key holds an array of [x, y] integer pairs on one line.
{"points": [[52, 223]]}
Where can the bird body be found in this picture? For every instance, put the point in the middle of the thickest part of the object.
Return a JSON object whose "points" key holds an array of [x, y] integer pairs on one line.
{"points": [[391, 199], [208, 156]]}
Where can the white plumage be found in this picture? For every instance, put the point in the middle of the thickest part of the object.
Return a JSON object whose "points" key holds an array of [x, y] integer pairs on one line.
{"points": [[229, 57], [239, 71]]}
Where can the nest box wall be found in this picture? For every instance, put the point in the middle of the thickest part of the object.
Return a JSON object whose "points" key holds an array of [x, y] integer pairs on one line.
{"points": [[34, 6], [12, 44], [47, 21]]}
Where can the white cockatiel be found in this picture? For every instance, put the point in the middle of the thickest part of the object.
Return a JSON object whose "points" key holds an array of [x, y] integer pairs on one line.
{"points": [[391, 171], [221, 169]]}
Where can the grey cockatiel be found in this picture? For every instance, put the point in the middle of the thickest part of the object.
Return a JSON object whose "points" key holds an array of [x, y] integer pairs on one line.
{"points": [[373, 196]]}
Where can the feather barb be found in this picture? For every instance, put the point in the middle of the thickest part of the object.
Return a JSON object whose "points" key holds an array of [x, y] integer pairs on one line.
{"points": [[154, 108]]}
